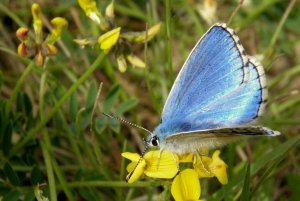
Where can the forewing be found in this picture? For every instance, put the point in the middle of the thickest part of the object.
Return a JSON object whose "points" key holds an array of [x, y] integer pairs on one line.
{"points": [[216, 66], [243, 105]]}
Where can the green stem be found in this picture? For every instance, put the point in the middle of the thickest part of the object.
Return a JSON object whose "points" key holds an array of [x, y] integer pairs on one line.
{"points": [[109, 184], [169, 42], [32, 133], [269, 51], [50, 174], [18, 86], [47, 149], [57, 170]]}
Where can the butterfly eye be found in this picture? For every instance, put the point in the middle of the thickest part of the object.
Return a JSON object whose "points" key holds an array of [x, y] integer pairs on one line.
{"points": [[155, 141]]}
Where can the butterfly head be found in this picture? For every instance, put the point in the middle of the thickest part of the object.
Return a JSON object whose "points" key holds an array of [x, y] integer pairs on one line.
{"points": [[151, 140]]}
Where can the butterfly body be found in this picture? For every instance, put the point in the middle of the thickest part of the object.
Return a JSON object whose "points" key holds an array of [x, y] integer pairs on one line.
{"points": [[216, 95]]}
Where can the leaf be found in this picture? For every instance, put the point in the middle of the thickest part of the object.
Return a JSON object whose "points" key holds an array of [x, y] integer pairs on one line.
{"points": [[274, 154], [36, 176], [7, 135], [245, 193], [11, 175], [11, 196], [90, 100], [73, 106], [126, 106], [111, 98]]}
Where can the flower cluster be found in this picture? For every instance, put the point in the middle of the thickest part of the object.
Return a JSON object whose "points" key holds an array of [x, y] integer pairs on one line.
{"points": [[165, 165], [34, 44], [113, 38]]}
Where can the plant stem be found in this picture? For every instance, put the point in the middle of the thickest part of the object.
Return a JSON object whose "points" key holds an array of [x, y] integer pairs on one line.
{"points": [[275, 36], [18, 86], [32, 133], [169, 42], [50, 174]]}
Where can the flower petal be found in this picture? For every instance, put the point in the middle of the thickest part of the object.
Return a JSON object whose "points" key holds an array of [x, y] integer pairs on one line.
{"points": [[218, 167], [109, 39], [163, 166], [201, 166], [186, 186], [187, 158], [137, 170], [131, 156]]}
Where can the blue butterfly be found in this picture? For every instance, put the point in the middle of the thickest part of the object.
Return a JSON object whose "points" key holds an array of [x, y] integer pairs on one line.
{"points": [[218, 92]]}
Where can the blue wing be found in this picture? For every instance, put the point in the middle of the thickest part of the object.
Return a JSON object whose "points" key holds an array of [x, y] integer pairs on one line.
{"points": [[243, 105], [217, 87]]}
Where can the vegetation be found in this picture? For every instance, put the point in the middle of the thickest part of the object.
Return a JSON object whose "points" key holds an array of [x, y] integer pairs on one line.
{"points": [[122, 58]]}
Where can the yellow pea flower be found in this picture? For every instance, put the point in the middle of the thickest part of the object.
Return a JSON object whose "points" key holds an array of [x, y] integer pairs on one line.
{"points": [[59, 24], [109, 39], [155, 164], [211, 167], [37, 22], [186, 186]]}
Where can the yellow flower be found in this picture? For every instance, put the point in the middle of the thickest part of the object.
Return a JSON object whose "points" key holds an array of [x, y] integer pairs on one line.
{"points": [[109, 39], [59, 24], [144, 36], [186, 186], [210, 167], [37, 21], [90, 9], [35, 45], [155, 164]]}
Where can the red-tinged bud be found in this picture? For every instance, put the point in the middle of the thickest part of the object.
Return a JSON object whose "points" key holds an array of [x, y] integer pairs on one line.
{"points": [[51, 50], [22, 50], [39, 58], [22, 33]]}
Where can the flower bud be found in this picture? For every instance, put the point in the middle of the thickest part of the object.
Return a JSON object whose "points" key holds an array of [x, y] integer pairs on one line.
{"points": [[135, 61], [51, 50], [122, 65], [37, 21], [22, 33], [39, 58], [22, 49]]}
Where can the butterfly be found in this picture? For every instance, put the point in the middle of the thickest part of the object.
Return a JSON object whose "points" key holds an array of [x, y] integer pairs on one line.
{"points": [[217, 94]]}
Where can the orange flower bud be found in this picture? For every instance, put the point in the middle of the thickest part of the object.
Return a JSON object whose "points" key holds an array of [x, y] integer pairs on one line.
{"points": [[39, 58], [22, 50], [22, 33], [51, 50]]}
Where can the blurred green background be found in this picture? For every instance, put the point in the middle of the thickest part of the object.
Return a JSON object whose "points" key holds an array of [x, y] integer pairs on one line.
{"points": [[75, 151]]}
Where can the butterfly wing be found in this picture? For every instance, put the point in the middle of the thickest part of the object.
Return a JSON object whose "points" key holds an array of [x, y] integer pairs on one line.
{"points": [[243, 105], [212, 138], [216, 67]]}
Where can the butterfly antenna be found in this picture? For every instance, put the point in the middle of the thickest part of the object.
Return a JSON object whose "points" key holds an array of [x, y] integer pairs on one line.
{"points": [[142, 155], [126, 122]]}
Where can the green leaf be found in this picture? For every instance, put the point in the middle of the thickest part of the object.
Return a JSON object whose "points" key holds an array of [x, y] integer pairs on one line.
{"points": [[111, 98], [11, 175], [11, 196], [29, 196], [126, 106], [274, 154], [7, 135], [36, 176], [90, 101], [73, 106], [245, 193]]}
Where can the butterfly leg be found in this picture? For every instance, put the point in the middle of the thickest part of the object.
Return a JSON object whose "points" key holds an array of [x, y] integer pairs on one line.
{"points": [[199, 155], [158, 158]]}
